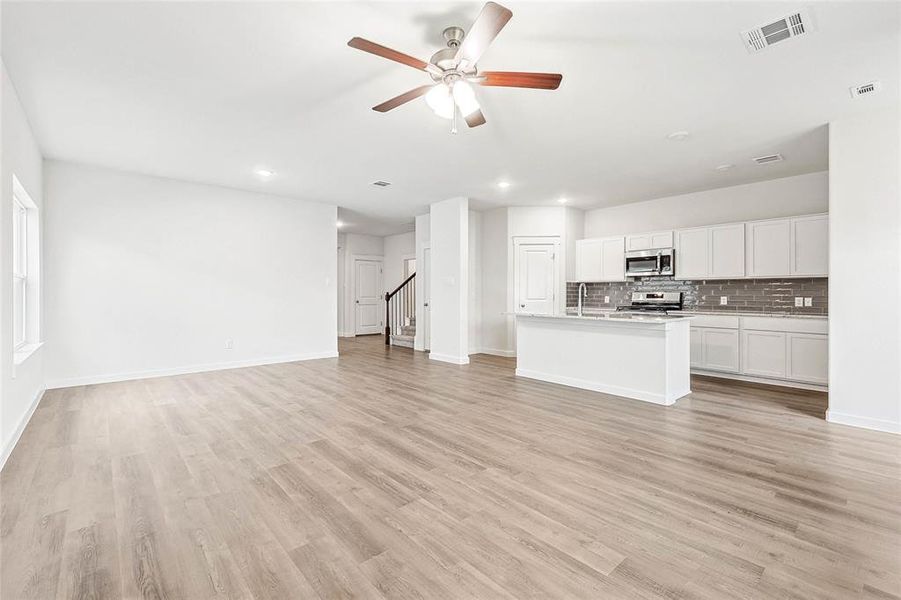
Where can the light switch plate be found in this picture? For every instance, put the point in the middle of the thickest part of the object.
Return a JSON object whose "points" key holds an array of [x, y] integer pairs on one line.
{"points": [[808, 301], [799, 301], [724, 300], [606, 299]]}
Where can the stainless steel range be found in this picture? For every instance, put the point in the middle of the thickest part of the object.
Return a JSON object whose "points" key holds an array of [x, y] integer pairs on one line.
{"points": [[656, 302]]}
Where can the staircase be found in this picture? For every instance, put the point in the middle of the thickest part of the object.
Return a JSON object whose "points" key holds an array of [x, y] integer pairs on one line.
{"points": [[400, 314]]}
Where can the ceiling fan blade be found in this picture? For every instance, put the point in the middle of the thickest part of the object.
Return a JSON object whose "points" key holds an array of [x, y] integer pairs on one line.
{"points": [[385, 52], [541, 81], [483, 31], [402, 99], [475, 119]]}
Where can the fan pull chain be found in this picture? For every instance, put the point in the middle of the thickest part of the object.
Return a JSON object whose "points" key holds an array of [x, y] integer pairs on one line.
{"points": [[454, 126]]}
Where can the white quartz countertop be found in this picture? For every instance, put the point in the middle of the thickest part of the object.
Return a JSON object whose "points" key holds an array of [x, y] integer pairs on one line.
{"points": [[690, 313]]}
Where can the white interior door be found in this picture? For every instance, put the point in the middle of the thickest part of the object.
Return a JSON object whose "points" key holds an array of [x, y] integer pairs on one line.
{"points": [[536, 278], [425, 272], [368, 296]]}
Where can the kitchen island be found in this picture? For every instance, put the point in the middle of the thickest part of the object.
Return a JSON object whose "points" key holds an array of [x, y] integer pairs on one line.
{"points": [[640, 357]]}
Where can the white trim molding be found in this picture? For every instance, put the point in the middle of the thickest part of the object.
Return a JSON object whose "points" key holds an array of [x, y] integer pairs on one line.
{"points": [[613, 390], [454, 360], [495, 352], [863, 422], [152, 373], [20, 429]]}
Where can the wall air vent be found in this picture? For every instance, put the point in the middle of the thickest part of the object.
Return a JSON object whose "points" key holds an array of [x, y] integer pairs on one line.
{"points": [[865, 89], [793, 25], [769, 158], [381, 183]]}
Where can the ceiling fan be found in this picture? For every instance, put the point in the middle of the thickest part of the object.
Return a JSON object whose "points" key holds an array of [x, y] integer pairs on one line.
{"points": [[453, 69]]}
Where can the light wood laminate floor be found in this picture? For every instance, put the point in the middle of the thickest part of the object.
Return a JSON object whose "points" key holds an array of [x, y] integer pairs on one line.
{"points": [[382, 474]]}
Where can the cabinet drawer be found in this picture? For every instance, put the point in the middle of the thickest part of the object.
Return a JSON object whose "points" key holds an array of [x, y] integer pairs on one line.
{"points": [[785, 324], [720, 321]]}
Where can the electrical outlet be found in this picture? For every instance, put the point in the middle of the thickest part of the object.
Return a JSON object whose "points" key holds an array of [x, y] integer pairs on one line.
{"points": [[799, 301], [724, 300], [606, 299], [229, 344], [808, 301]]}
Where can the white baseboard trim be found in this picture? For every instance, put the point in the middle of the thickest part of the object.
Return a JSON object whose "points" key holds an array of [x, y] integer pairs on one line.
{"points": [[864, 422], [151, 373], [764, 380], [20, 428], [454, 360], [606, 389], [496, 352]]}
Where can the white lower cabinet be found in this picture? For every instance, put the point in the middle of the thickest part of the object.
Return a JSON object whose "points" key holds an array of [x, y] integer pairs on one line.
{"points": [[763, 353], [714, 349], [808, 357], [777, 348]]}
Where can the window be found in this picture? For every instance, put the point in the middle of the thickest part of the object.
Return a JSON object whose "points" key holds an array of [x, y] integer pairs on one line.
{"points": [[26, 269], [20, 272]]}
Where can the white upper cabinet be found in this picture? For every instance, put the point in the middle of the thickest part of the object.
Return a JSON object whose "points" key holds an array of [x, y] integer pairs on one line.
{"points": [[810, 246], [727, 251], [600, 259], [768, 248], [646, 241], [716, 252], [589, 260], [795, 247], [692, 253]]}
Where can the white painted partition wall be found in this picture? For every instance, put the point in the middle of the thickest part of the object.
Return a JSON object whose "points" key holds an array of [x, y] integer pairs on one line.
{"points": [[449, 281], [865, 264]]}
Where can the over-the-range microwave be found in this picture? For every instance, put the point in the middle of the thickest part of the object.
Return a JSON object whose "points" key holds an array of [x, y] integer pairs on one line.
{"points": [[650, 263]]}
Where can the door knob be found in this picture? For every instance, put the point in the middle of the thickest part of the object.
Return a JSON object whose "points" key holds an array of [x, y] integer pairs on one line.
{"points": [[522, 305]]}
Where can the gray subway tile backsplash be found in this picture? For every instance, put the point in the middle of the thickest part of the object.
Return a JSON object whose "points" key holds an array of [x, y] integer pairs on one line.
{"points": [[744, 295]]}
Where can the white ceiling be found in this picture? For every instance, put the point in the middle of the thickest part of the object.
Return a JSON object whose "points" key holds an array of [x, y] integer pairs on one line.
{"points": [[208, 91]]}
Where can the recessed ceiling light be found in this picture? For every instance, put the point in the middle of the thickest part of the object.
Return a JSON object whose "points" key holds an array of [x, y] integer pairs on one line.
{"points": [[562, 200], [503, 184], [264, 172], [678, 136], [339, 224], [725, 167]]}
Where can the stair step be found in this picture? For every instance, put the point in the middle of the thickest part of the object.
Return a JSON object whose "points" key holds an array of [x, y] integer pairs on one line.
{"points": [[405, 341], [408, 330]]}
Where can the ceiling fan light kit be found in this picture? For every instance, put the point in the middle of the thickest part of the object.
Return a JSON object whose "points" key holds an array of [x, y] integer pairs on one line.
{"points": [[453, 69]]}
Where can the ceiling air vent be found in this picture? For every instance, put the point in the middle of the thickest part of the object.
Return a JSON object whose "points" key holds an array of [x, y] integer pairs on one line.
{"points": [[769, 158], [792, 25], [381, 183], [865, 89]]}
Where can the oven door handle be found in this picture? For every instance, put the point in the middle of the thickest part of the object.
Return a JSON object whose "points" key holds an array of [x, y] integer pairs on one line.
{"points": [[659, 260]]}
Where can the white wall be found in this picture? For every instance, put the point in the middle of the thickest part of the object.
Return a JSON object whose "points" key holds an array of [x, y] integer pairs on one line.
{"points": [[422, 237], [865, 266], [147, 276], [397, 248], [789, 196], [496, 248], [450, 281], [356, 245], [22, 386], [475, 282]]}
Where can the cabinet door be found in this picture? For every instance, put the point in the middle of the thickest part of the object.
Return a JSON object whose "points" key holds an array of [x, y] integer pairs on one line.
{"points": [[808, 357], [810, 246], [727, 251], [638, 242], [763, 353], [768, 248], [692, 253], [661, 239], [696, 352], [613, 259], [589, 265], [721, 349]]}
